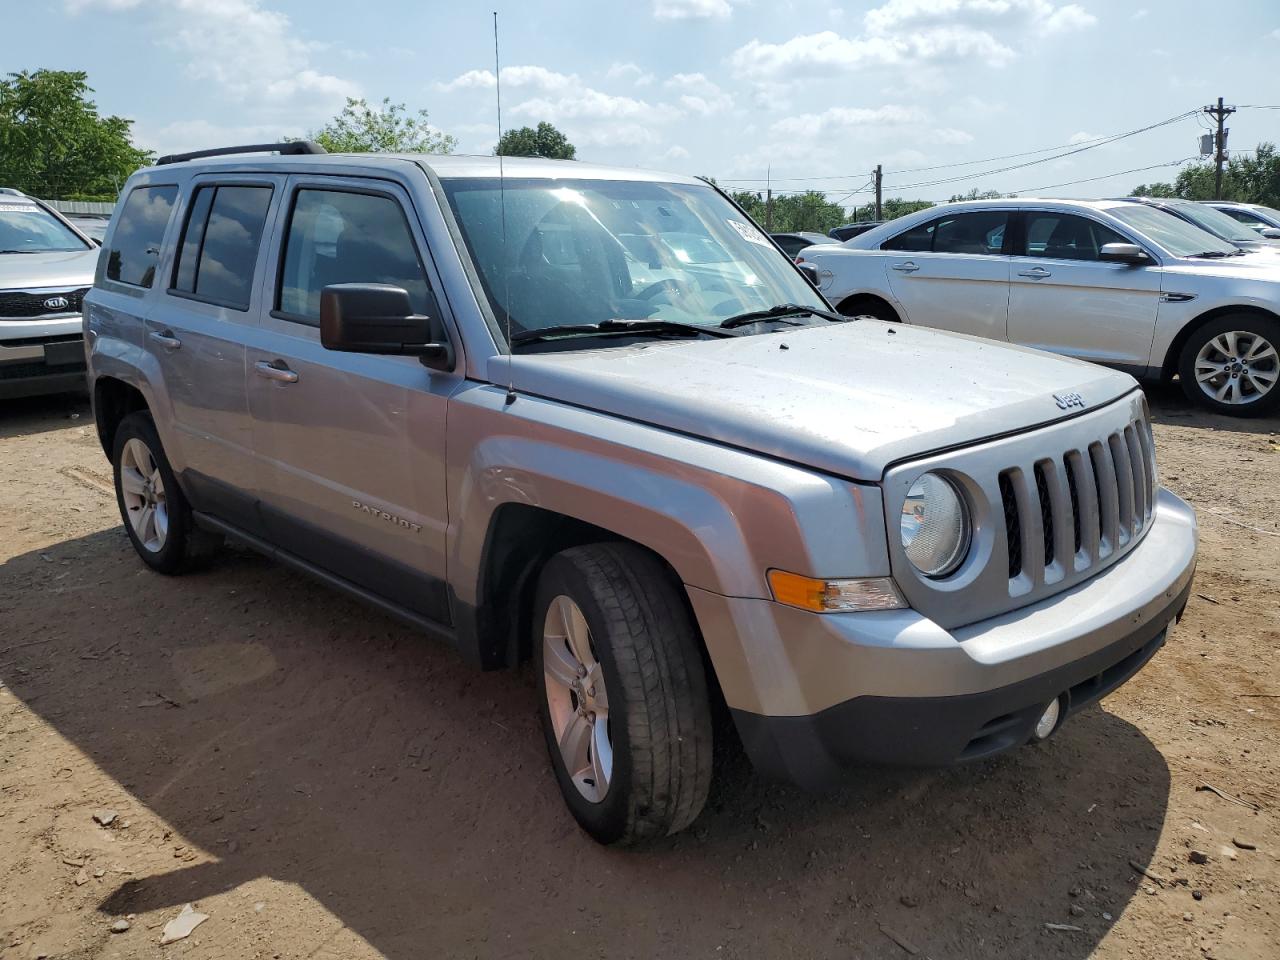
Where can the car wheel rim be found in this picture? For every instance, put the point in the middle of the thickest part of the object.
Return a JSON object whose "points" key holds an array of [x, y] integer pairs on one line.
{"points": [[1237, 367], [142, 489], [577, 699]]}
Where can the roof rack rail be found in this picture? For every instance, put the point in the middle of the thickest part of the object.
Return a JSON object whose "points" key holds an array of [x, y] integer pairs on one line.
{"points": [[289, 148]]}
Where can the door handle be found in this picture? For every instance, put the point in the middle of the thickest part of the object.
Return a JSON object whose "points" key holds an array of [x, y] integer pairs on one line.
{"points": [[166, 339], [275, 370], [908, 267], [1035, 273]]}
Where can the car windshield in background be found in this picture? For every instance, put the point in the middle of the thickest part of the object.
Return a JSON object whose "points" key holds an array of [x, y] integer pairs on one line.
{"points": [[590, 251], [1216, 222], [26, 227], [1180, 238]]}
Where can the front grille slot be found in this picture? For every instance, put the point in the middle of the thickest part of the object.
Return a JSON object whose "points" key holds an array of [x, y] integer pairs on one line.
{"points": [[24, 305], [1073, 490], [1012, 525], [1046, 513]]}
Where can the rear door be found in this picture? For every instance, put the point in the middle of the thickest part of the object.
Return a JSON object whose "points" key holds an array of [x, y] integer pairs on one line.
{"points": [[351, 447], [952, 272], [197, 333], [1063, 298]]}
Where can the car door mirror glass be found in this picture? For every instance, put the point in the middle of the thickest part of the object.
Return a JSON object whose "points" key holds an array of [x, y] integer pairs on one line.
{"points": [[379, 318], [1129, 253], [810, 271]]}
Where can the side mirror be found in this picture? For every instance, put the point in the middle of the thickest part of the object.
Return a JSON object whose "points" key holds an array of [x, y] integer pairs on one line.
{"points": [[378, 318], [1129, 253], [810, 271], [1271, 233]]}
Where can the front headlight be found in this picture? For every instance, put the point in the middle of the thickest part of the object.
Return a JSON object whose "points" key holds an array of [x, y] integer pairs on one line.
{"points": [[935, 526]]}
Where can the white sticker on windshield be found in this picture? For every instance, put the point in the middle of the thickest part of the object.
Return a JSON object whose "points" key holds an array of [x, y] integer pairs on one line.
{"points": [[18, 208], [749, 233]]}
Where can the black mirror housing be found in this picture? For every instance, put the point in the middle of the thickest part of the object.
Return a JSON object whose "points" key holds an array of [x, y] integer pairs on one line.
{"points": [[379, 318], [810, 271]]}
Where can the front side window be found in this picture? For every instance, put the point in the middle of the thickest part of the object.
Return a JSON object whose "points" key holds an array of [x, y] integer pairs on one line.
{"points": [[1178, 237], [1245, 217], [135, 245], [589, 251], [1215, 221], [27, 227], [1065, 236], [341, 237], [219, 248], [979, 232]]}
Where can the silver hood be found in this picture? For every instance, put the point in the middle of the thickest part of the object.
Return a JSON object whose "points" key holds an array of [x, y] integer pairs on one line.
{"points": [[34, 271], [848, 399]]}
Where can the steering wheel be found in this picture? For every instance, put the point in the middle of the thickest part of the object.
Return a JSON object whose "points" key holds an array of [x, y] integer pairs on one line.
{"points": [[670, 285]]}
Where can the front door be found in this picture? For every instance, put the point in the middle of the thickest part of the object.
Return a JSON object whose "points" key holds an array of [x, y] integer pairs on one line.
{"points": [[351, 447], [1063, 298], [951, 273]]}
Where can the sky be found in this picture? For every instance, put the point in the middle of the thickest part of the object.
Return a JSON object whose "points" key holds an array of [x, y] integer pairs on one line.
{"points": [[805, 94]]}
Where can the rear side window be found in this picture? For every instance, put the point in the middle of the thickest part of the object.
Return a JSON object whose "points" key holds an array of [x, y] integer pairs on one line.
{"points": [[965, 233], [135, 245], [220, 244], [341, 237]]}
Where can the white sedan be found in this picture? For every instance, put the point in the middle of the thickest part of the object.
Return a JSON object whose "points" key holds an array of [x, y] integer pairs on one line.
{"points": [[1108, 281]]}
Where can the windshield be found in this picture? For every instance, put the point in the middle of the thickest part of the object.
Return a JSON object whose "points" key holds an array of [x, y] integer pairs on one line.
{"points": [[587, 251], [1180, 238], [26, 227], [1217, 222]]}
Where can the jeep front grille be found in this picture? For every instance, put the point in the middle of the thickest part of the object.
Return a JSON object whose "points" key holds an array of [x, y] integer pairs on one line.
{"points": [[1051, 507], [1067, 513], [29, 304]]}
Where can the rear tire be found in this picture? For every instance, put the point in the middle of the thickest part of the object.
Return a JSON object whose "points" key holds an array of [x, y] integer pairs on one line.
{"points": [[1231, 365], [624, 704], [154, 511]]}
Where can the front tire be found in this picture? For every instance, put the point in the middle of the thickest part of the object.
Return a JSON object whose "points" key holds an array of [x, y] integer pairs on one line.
{"points": [[624, 704], [1231, 365], [155, 513]]}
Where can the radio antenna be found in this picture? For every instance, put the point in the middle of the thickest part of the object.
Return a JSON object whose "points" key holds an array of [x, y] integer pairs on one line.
{"points": [[502, 203]]}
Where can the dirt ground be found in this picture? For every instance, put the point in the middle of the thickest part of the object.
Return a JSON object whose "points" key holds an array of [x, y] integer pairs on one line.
{"points": [[321, 782]]}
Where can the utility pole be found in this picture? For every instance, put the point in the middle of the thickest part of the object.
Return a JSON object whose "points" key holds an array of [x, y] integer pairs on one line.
{"points": [[1219, 113], [768, 202], [879, 177]]}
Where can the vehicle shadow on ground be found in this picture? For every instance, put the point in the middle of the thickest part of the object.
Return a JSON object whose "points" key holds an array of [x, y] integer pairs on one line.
{"points": [[319, 743], [30, 415], [1170, 405]]}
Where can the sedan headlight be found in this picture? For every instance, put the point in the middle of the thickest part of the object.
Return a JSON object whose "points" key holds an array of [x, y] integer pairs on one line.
{"points": [[935, 526]]}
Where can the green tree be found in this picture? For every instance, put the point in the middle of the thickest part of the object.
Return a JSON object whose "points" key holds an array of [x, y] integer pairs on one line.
{"points": [[976, 194], [793, 212], [385, 128], [53, 143], [1245, 178], [891, 209], [541, 141]]}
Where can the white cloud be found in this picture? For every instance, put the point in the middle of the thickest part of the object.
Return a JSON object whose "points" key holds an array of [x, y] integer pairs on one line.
{"points": [[1040, 15], [828, 51], [1140, 13], [587, 103], [693, 9], [844, 119], [518, 76], [629, 71], [1082, 136], [247, 51], [699, 95]]}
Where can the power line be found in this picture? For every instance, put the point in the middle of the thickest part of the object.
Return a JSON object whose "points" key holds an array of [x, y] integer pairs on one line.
{"points": [[1078, 147], [1108, 176]]}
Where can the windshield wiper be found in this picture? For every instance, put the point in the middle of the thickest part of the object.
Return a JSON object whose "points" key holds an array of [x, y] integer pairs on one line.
{"points": [[778, 312], [615, 327], [1211, 254]]}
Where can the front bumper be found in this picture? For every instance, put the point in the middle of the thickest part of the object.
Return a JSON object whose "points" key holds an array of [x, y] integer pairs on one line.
{"points": [[814, 694], [35, 365]]}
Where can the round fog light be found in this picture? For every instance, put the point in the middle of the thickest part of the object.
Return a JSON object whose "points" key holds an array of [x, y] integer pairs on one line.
{"points": [[1049, 719]]}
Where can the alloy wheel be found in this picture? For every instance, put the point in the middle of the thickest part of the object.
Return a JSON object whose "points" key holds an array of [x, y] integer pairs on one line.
{"points": [[142, 488], [1237, 367], [577, 699]]}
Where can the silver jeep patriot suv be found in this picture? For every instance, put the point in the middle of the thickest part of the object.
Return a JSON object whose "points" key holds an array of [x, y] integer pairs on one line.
{"points": [[595, 418]]}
